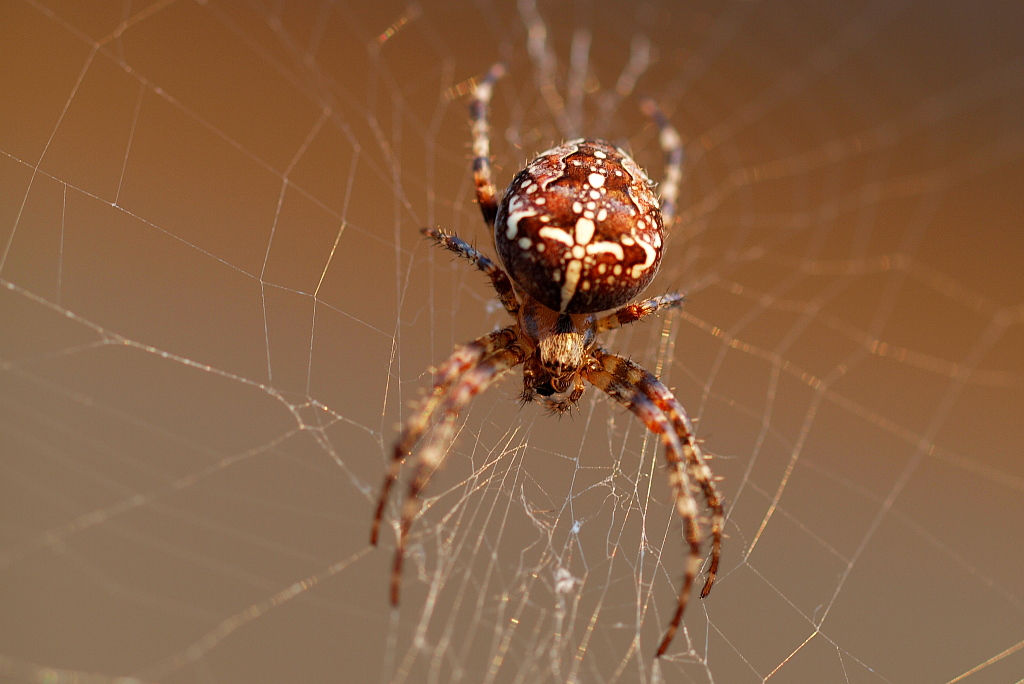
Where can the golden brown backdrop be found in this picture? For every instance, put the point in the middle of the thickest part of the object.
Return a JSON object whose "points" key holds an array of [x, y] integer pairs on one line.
{"points": [[215, 307]]}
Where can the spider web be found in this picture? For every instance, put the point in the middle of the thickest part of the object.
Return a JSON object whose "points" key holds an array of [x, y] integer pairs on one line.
{"points": [[216, 307]]}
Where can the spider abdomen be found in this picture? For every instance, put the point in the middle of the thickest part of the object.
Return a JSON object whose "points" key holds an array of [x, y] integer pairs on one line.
{"points": [[580, 229]]}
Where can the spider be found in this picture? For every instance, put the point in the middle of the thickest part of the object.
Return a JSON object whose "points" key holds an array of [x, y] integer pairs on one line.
{"points": [[578, 232]]}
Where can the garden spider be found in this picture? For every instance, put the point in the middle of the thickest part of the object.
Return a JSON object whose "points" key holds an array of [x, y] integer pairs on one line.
{"points": [[579, 232]]}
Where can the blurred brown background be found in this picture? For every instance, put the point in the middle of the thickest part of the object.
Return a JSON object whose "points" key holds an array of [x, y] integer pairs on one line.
{"points": [[216, 308]]}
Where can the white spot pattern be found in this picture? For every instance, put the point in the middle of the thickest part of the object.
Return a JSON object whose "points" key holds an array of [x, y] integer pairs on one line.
{"points": [[572, 278], [649, 255], [553, 233], [518, 209], [584, 231], [581, 260]]}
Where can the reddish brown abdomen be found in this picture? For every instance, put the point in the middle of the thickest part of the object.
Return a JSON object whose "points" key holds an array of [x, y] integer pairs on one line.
{"points": [[579, 229]]}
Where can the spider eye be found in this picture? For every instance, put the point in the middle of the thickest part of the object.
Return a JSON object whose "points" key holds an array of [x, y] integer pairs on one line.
{"points": [[580, 229]]}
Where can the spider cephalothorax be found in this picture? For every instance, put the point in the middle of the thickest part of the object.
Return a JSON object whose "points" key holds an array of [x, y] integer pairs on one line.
{"points": [[579, 232], [562, 344]]}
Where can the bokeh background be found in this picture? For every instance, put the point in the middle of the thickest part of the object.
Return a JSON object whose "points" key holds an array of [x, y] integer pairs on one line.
{"points": [[215, 309]]}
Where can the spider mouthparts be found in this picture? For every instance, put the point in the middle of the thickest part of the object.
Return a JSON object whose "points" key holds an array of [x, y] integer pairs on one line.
{"points": [[545, 389]]}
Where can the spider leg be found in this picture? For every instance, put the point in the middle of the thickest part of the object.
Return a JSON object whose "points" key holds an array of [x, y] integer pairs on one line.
{"points": [[696, 464], [486, 195], [624, 380], [631, 313], [473, 382], [672, 147], [463, 359], [499, 279]]}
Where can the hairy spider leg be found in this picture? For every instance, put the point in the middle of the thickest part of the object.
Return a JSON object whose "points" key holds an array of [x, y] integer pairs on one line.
{"points": [[465, 358], [620, 379], [696, 464], [666, 401], [499, 279], [672, 146], [486, 195], [472, 383], [630, 313]]}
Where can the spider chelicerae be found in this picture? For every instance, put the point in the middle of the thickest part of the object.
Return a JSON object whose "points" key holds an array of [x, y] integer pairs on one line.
{"points": [[579, 232]]}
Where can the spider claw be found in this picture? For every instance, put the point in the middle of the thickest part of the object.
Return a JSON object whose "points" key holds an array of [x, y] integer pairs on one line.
{"points": [[375, 527], [665, 641], [395, 589]]}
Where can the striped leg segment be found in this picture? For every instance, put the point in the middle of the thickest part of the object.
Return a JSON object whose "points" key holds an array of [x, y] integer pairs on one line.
{"points": [[644, 395], [672, 147], [465, 358], [461, 392], [696, 464], [500, 281], [637, 310], [478, 106]]}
